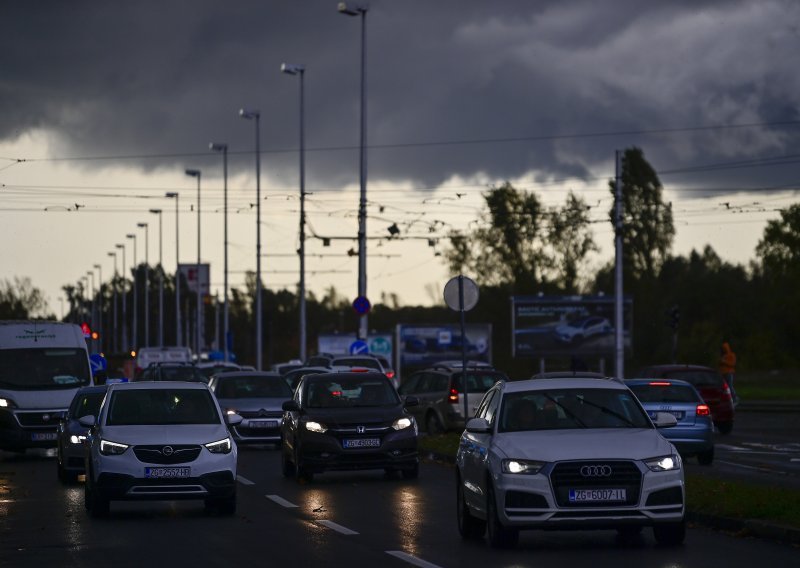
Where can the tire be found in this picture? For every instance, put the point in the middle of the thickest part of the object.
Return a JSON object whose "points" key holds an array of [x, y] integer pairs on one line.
{"points": [[411, 472], [433, 425], [469, 527], [670, 534], [301, 474], [287, 466], [706, 458], [97, 506], [725, 427], [499, 536]]}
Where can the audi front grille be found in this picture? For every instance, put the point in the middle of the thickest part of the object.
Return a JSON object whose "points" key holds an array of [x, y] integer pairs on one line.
{"points": [[600, 474]]}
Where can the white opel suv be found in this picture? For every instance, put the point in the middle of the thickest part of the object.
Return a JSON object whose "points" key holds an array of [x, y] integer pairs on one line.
{"points": [[160, 441], [567, 453]]}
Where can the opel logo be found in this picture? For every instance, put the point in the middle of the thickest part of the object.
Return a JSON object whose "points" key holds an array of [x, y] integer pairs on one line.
{"points": [[596, 471], [167, 450], [360, 429]]}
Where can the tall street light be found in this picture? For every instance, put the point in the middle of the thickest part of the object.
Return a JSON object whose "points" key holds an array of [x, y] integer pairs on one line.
{"points": [[160, 278], [125, 344], [146, 282], [135, 332], [100, 304], [90, 275], [199, 316], [300, 70], [175, 195], [114, 343], [256, 115], [357, 10], [222, 147]]}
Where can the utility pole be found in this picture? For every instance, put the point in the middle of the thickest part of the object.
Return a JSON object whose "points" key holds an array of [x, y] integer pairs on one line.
{"points": [[619, 337]]}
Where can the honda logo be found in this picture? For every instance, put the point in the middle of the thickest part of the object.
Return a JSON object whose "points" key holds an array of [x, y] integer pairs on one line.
{"points": [[596, 471], [360, 429]]}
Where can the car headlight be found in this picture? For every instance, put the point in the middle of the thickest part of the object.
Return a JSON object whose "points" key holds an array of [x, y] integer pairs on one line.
{"points": [[315, 427], [112, 448], [529, 467], [230, 411], [77, 439], [220, 446], [6, 403], [664, 463], [402, 423]]}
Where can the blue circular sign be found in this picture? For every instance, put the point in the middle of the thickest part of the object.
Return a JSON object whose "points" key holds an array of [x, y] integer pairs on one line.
{"points": [[361, 305], [359, 347]]}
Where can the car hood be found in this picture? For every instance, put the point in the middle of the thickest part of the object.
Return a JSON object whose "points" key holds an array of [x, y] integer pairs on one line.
{"points": [[601, 443], [53, 399], [160, 434], [253, 404], [332, 417]]}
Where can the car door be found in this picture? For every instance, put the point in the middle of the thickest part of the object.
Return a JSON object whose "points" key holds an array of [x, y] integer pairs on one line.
{"points": [[475, 447]]}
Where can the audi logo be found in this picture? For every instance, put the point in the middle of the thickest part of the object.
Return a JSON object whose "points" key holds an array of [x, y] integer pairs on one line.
{"points": [[167, 450], [596, 471]]}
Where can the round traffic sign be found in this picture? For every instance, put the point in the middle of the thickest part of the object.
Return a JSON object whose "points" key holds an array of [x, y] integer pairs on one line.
{"points": [[361, 305], [451, 295], [359, 347]]}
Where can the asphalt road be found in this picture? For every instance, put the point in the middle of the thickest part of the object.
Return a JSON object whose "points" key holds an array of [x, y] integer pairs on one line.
{"points": [[340, 519]]}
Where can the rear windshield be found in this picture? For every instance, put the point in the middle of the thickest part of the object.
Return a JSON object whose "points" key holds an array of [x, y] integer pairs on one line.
{"points": [[335, 392], [253, 387], [357, 362], [43, 369], [86, 404], [162, 406], [478, 382], [698, 378], [664, 393], [182, 373]]}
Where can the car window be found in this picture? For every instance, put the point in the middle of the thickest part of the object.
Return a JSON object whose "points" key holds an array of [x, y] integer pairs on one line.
{"points": [[87, 405], [491, 408], [665, 393], [161, 407], [253, 387], [358, 362], [181, 374], [478, 381], [439, 383], [699, 378], [326, 392], [481, 411], [410, 386]]}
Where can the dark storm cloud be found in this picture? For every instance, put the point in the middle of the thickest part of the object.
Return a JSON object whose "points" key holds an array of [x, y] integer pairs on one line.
{"points": [[147, 77]]}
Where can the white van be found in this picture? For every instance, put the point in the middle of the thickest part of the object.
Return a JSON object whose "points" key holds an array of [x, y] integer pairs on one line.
{"points": [[146, 356], [42, 365]]}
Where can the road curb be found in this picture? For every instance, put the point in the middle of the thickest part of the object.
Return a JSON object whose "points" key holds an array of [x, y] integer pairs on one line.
{"points": [[776, 406], [742, 527]]}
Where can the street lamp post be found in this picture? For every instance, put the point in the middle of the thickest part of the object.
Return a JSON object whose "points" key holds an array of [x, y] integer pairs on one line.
{"points": [[256, 115], [300, 70], [221, 147], [125, 344], [175, 195], [357, 10], [199, 317], [146, 282], [135, 332], [114, 344], [100, 304], [160, 278], [90, 281]]}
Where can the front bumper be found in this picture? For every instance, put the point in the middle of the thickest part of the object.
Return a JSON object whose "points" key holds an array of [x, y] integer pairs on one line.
{"points": [[16, 437], [323, 452], [689, 440]]}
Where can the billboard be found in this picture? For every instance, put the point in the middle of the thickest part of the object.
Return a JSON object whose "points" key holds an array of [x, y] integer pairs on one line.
{"points": [[348, 344], [189, 272], [421, 345], [569, 326]]}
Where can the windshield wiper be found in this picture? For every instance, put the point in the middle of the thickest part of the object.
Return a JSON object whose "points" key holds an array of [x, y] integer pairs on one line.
{"points": [[567, 411], [606, 410]]}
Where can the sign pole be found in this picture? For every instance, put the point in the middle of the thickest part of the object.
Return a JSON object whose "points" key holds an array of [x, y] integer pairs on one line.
{"points": [[463, 345]]}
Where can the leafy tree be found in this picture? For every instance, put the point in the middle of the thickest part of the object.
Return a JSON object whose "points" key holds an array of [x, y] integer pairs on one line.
{"points": [[571, 240], [21, 300], [648, 227], [779, 249]]}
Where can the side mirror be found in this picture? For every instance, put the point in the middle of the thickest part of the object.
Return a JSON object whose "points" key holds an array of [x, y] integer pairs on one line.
{"points": [[233, 419], [88, 421], [411, 401], [479, 426], [665, 420], [290, 406]]}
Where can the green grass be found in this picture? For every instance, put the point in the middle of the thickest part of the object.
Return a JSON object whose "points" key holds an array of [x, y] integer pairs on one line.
{"points": [[783, 385], [704, 494]]}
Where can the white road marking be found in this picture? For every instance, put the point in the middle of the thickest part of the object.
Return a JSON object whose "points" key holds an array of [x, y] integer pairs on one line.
{"points": [[733, 448], [244, 480], [281, 501], [338, 528], [411, 559], [762, 469]]}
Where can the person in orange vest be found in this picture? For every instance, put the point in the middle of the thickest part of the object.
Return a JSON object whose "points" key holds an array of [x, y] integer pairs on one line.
{"points": [[727, 366]]}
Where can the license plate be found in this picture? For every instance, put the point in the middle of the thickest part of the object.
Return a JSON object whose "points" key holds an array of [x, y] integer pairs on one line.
{"points": [[167, 472], [362, 443], [263, 424], [678, 414], [592, 495], [44, 436]]}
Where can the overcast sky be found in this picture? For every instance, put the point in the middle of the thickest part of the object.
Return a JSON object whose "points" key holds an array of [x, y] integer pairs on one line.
{"points": [[461, 94]]}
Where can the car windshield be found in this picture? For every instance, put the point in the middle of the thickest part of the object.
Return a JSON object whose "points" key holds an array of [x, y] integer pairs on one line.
{"points": [[478, 382], [699, 378], [664, 392], [161, 406], [87, 404], [292, 378], [253, 387], [325, 392], [565, 409], [39, 369]]}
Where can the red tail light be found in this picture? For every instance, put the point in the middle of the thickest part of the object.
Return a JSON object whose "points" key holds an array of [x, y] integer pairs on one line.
{"points": [[703, 410], [660, 384], [453, 395], [726, 392], [390, 374]]}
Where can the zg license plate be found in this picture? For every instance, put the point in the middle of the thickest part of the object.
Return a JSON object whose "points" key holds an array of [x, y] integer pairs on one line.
{"points": [[362, 443], [167, 472], [263, 424], [596, 495], [44, 436]]}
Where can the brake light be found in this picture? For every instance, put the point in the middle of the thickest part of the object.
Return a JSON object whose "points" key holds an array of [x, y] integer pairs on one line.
{"points": [[336, 393], [390, 374], [660, 384], [360, 370], [453, 395], [703, 410], [726, 391]]}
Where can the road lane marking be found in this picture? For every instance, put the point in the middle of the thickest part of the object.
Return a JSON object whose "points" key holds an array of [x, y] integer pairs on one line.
{"points": [[338, 528], [761, 469], [281, 501], [244, 480], [411, 559]]}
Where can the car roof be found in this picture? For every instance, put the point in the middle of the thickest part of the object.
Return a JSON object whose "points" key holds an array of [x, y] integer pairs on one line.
{"points": [[347, 375], [92, 389], [571, 374], [259, 374], [158, 385], [647, 381], [676, 367], [565, 382]]}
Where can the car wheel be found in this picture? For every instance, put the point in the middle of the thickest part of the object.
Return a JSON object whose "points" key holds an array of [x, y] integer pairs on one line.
{"points": [[725, 427], [301, 474], [670, 534], [433, 425], [66, 477], [97, 506], [469, 527], [499, 536], [706, 458], [411, 472], [287, 465]]}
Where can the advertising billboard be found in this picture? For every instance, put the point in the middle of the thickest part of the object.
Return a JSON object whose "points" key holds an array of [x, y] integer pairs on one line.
{"points": [[189, 272], [568, 326], [348, 344], [421, 345]]}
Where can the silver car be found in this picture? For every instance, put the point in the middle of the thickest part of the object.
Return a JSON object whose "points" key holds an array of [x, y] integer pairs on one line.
{"points": [[160, 441]]}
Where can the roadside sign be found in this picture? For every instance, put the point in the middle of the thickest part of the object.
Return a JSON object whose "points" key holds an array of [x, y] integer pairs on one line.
{"points": [[470, 291], [359, 347], [361, 305], [97, 363]]}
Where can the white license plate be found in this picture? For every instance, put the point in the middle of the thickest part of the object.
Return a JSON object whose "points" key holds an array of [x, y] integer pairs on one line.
{"points": [[263, 424], [362, 443], [598, 495], [44, 436], [167, 472], [678, 414]]}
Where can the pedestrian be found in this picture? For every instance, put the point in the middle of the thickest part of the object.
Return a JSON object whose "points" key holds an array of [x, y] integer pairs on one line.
{"points": [[727, 366]]}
